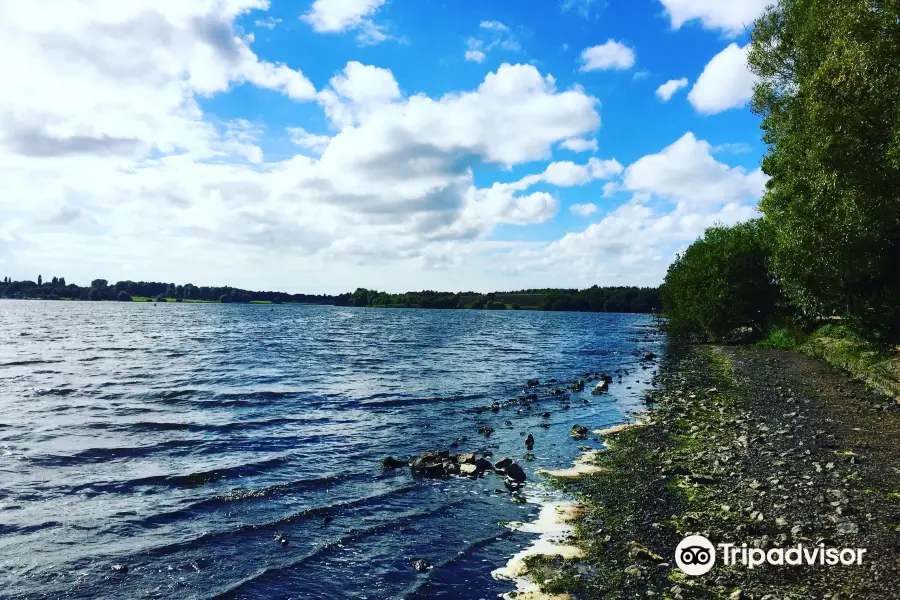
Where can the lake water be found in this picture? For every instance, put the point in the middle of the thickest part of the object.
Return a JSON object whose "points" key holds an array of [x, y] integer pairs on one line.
{"points": [[179, 439]]}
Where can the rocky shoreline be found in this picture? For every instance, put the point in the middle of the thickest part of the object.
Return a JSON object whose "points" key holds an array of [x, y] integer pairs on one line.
{"points": [[742, 445]]}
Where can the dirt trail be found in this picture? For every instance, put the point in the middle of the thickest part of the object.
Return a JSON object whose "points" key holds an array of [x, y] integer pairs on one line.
{"points": [[856, 432]]}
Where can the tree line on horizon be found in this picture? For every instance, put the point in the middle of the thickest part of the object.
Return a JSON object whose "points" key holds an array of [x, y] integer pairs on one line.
{"points": [[828, 243], [101, 289], [594, 299]]}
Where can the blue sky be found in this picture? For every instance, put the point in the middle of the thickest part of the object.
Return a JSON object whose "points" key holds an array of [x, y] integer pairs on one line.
{"points": [[399, 144]]}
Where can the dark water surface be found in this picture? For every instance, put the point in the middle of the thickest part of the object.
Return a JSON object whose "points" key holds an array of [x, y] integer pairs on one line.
{"points": [[179, 439]]}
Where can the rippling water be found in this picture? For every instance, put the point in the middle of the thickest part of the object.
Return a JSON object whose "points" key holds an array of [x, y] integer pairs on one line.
{"points": [[179, 439]]}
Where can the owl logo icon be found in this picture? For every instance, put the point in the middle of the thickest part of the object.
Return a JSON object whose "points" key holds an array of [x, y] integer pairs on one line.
{"points": [[695, 555]]}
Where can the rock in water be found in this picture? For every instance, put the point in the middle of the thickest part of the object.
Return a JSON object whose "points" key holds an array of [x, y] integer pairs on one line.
{"points": [[421, 565], [389, 462], [483, 465], [119, 569], [468, 470], [532, 383], [529, 441], [600, 387], [503, 463], [465, 458], [431, 464], [579, 432], [515, 472], [649, 356]]}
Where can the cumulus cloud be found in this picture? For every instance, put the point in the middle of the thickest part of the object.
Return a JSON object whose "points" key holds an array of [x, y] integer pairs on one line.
{"points": [[611, 55], [106, 138], [337, 16], [579, 144], [731, 17], [310, 141], [726, 82], [583, 210], [669, 88], [610, 188], [677, 193], [475, 55], [569, 174], [687, 171], [358, 91], [110, 79]]}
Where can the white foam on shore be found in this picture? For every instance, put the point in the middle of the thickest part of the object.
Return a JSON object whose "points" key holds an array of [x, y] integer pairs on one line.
{"points": [[584, 465], [554, 526], [616, 428]]}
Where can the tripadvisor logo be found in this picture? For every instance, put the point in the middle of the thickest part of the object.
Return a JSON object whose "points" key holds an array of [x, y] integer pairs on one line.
{"points": [[696, 555]]}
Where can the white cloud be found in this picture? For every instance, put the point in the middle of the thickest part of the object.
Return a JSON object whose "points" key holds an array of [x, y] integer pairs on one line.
{"points": [[633, 245], [677, 193], [358, 91], [733, 148], [334, 16], [610, 188], [121, 150], [583, 210], [106, 139], [582, 7], [337, 16], [311, 141], [268, 22], [568, 174], [498, 35], [475, 56], [495, 25], [686, 171], [611, 55], [726, 82], [124, 79], [579, 144], [669, 88], [729, 16]]}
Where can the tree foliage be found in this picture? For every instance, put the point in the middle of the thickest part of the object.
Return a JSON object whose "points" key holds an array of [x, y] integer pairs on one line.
{"points": [[829, 95], [721, 283], [594, 299]]}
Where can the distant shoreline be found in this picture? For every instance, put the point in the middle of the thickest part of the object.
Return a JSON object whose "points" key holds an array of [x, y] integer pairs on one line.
{"points": [[620, 299], [144, 300]]}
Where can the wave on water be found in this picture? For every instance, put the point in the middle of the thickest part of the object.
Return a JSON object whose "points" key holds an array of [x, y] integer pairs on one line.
{"points": [[28, 363], [275, 573], [416, 401]]}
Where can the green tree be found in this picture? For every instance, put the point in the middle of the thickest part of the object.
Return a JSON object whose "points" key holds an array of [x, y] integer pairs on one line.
{"points": [[40, 281], [94, 294], [124, 297], [830, 101], [721, 283]]}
